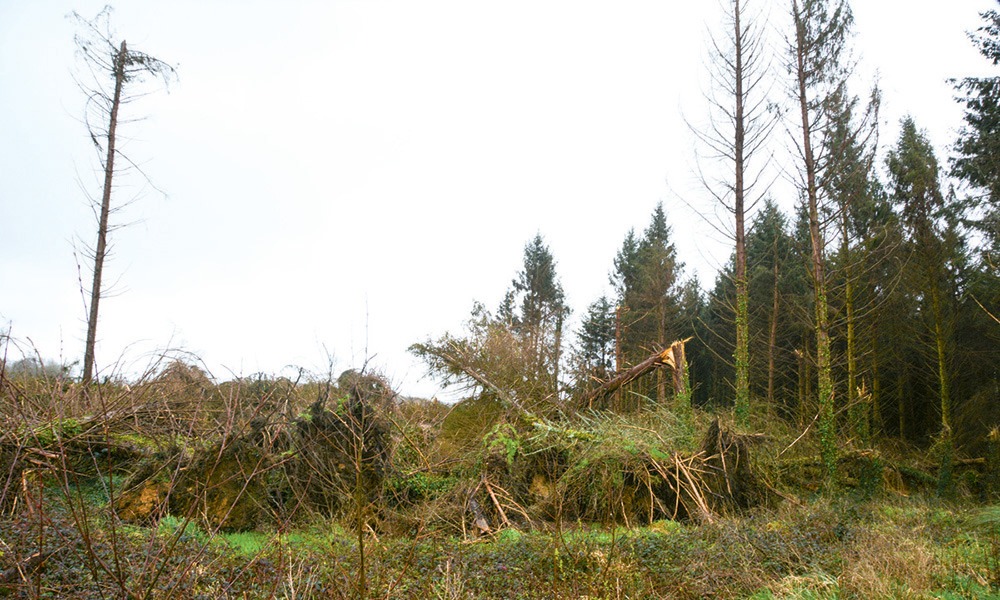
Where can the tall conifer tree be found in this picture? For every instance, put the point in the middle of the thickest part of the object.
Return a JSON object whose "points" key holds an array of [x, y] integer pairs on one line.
{"points": [[819, 66], [913, 173]]}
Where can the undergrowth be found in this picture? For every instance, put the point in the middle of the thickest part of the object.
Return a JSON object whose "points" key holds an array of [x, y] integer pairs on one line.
{"points": [[825, 548], [569, 508]]}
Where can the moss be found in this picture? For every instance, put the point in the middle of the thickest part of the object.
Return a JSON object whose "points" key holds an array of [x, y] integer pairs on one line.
{"points": [[666, 526], [992, 475], [341, 458], [503, 439], [658, 454], [55, 431], [420, 487], [467, 423], [137, 441], [145, 504], [225, 487]]}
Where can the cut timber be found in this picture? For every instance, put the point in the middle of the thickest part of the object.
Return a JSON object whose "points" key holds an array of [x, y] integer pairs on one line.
{"points": [[672, 356]]}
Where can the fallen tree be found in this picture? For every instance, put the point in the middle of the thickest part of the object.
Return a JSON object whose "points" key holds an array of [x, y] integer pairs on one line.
{"points": [[673, 356], [597, 466]]}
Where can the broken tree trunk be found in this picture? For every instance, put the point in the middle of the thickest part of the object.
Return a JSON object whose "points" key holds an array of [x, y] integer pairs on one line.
{"points": [[672, 356], [678, 363]]}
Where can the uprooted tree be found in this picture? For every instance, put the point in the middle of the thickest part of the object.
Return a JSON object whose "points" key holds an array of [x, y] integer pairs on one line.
{"points": [[548, 459]]}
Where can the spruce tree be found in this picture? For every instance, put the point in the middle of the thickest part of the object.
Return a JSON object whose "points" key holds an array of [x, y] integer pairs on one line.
{"points": [[740, 124], [978, 146], [645, 279], [915, 186], [594, 355], [819, 66], [535, 309], [770, 287], [847, 182]]}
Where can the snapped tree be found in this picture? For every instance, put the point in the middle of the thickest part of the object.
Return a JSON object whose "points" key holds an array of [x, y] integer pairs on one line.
{"points": [[115, 71], [645, 278]]}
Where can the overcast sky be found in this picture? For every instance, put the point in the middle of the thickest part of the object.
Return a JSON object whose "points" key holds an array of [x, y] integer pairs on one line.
{"points": [[346, 177]]}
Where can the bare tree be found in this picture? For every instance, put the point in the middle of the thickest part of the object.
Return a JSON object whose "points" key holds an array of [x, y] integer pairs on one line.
{"points": [[114, 73], [739, 129]]}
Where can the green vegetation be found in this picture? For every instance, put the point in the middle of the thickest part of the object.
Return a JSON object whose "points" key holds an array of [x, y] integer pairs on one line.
{"points": [[895, 547], [583, 506], [825, 423]]}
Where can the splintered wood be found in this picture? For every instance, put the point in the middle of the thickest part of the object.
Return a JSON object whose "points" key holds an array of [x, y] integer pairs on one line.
{"points": [[672, 356]]}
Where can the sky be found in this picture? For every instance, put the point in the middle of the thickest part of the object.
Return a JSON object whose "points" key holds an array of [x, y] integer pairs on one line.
{"points": [[337, 180]]}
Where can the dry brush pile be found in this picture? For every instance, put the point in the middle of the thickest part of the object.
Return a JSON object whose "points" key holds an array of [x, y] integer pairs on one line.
{"points": [[88, 468], [268, 453]]}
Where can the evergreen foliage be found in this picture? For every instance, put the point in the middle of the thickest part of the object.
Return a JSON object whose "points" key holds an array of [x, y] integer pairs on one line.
{"points": [[594, 355], [535, 309], [645, 278]]}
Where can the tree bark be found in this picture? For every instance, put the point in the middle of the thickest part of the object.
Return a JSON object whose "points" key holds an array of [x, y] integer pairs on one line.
{"points": [[25, 568], [947, 440], [876, 416], [742, 354], [619, 355], [772, 341], [858, 413], [102, 227], [901, 403], [828, 445]]}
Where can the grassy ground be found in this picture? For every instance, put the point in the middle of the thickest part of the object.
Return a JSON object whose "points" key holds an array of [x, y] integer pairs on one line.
{"points": [[893, 547]]}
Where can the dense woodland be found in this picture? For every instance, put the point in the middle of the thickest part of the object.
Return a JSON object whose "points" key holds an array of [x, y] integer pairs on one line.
{"points": [[823, 421], [892, 254]]}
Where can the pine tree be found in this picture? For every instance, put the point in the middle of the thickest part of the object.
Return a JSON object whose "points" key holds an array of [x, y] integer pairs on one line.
{"points": [[535, 309], [913, 172], [820, 69]]}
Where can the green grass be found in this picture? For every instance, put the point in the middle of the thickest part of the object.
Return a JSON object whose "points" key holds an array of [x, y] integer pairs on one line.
{"points": [[916, 548]]}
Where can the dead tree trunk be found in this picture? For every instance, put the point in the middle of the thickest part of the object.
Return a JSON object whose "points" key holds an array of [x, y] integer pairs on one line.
{"points": [[102, 227], [111, 66], [24, 569]]}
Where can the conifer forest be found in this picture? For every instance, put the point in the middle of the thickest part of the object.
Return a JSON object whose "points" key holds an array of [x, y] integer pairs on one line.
{"points": [[820, 421]]}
